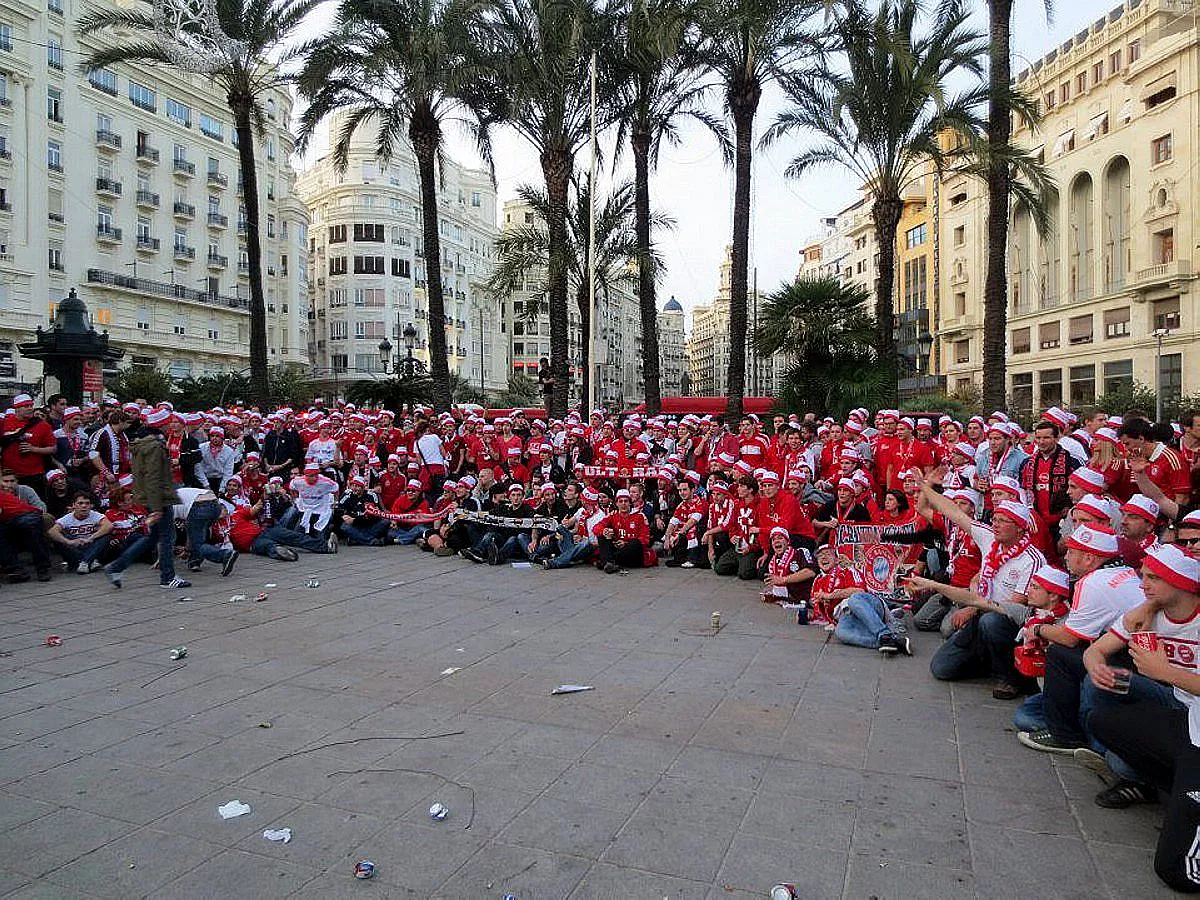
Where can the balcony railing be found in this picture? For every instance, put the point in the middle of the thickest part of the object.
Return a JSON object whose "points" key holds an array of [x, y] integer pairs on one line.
{"points": [[108, 233], [218, 220], [163, 289], [147, 154], [184, 210], [184, 252], [108, 139], [216, 178], [108, 186], [145, 242], [183, 167], [217, 261], [1164, 272], [147, 198]]}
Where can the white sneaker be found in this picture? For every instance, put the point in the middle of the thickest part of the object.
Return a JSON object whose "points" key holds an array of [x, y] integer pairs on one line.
{"points": [[82, 568], [687, 564], [332, 543]]}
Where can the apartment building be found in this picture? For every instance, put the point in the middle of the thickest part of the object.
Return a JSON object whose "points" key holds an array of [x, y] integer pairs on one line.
{"points": [[370, 270], [672, 349], [1090, 302], [124, 184], [708, 348]]}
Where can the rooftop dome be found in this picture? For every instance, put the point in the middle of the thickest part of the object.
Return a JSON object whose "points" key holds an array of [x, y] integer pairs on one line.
{"points": [[672, 306]]}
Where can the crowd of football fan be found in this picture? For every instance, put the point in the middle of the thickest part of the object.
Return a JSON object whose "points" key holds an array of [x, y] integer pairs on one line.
{"points": [[1060, 561]]}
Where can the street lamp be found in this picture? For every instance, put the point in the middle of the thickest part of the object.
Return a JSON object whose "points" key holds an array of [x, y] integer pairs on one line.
{"points": [[1159, 334], [408, 366]]}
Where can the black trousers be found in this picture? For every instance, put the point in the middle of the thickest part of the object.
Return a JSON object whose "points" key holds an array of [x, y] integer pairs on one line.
{"points": [[627, 557], [679, 554], [1064, 681], [1156, 741]]}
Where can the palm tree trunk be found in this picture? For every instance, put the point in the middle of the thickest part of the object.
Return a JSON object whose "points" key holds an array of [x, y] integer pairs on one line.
{"points": [[640, 142], [743, 103], [556, 169], [583, 300], [886, 216], [995, 289], [425, 134], [241, 103]]}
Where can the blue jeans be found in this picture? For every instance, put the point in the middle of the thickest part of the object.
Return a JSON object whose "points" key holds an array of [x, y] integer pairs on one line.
{"points": [[367, 535], [265, 543], [1141, 689], [863, 622], [30, 528], [571, 550], [200, 518], [407, 535], [162, 533], [529, 551], [89, 554], [981, 647]]}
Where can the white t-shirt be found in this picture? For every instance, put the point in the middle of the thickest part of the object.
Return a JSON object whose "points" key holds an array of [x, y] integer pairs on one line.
{"points": [[1181, 642], [188, 496], [321, 452], [1013, 577], [80, 529], [1101, 598], [316, 498], [429, 449]]}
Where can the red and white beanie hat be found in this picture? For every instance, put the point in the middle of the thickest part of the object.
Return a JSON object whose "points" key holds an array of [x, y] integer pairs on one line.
{"points": [[965, 449], [781, 532], [1007, 485], [1141, 505], [1173, 566], [1107, 435], [1056, 581], [1191, 520], [1088, 479], [1015, 512], [1097, 539], [1095, 505]]}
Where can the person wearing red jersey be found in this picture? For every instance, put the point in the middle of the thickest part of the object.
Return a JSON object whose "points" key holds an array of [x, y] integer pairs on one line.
{"points": [[835, 583], [779, 509], [681, 540], [247, 535], [628, 447], [753, 447], [411, 502], [964, 559], [718, 442], [1163, 466], [787, 571], [831, 452], [721, 508], [1139, 524], [505, 440], [623, 536], [392, 481], [884, 446], [1189, 450], [741, 558], [29, 444], [907, 453]]}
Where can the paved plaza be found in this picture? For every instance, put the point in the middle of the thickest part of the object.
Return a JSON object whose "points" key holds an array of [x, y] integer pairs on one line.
{"points": [[701, 766]]}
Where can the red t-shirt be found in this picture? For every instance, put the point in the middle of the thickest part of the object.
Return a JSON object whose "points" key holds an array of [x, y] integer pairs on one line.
{"points": [[38, 433], [1168, 470]]}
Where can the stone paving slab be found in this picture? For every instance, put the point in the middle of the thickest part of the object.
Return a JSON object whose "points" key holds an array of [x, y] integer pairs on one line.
{"points": [[701, 766]]}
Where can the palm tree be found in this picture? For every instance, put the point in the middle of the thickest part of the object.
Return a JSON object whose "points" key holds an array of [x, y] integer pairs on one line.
{"points": [[656, 87], [883, 111], [541, 52], [999, 183], [746, 45], [406, 66], [828, 333], [248, 61], [524, 252]]}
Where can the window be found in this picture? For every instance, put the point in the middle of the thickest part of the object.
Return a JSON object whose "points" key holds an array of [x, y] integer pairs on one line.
{"points": [[1050, 387], [179, 113], [1164, 246], [1083, 385], [337, 330], [103, 80], [915, 283], [180, 242], [1160, 149], [210, 127], [1048, 335], [1022, 392], [1049, 99], [54, 104], [475, 199], [179, 325], [1118, 374], [369, 330], [1166, 314], [1114, 63], [366, 362], [1170, 377], [337, 265], [143, 322], [270, 148], [179, 153], [368, 265], [55, 256], [54, 156], [270, 226], [368, 232], [54, 52], [1097, 72], [337, 234], [1081, 82], [1116, 323], [270, 185], [5, 36], [1079, 330], [338, 361], [271, 108], [142, 96], [914, 237], [960, 303], [401, 268], [1160, 96], [1133, 52], [960, 235], [1020, 340], [214, 166], [369, 297], [962, 351], [1064, 91], [143, 228]]}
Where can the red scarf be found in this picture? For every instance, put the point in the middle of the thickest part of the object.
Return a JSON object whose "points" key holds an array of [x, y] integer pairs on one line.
{"points": [[779, 562], [995, 559]]}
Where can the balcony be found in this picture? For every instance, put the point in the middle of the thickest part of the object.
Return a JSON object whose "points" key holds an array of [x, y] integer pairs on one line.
{"points": [[148, 244], [108, 234], [184, 210], [107, 187], [242, 226], [184, 253], [162, 289], [5, 103], [107, 140], [1167, 274], [217, 261], [217, 220], [243, 267], [184, 168], [147, 199], [216, 179], [5, 206], [147, 154]]}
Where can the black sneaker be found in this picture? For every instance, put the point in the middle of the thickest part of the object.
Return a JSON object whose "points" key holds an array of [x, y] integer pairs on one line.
{"points": [[472, 554], [114, 577], [903, 644], [287, 554], [227, 568], [887, 645], [20, 576], [611, 568], [1125, 794], [194, 567], [493, 555], [43, 575], [1046, 742]]}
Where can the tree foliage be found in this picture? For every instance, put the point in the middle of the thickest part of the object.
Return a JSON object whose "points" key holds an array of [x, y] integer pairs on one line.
{"points": [[391, 393], [151, 385], [522, 392]]}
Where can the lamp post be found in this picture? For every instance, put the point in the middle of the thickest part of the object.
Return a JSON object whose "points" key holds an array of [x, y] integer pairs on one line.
{"points": [[407, 366], [1159, 335]]}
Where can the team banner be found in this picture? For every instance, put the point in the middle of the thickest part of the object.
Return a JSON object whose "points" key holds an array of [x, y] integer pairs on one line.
{"points": [[542, 523], [620, 472], [866, 548], [401, 518]]}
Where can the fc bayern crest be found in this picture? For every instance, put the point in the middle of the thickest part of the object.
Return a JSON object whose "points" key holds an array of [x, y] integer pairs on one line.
{"points": [[879, 569]]}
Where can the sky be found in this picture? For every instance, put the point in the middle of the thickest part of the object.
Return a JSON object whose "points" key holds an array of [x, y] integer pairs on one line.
{"points": [[693, 186]]}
